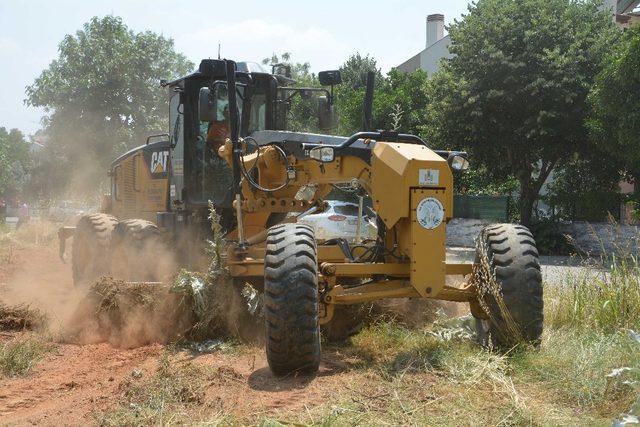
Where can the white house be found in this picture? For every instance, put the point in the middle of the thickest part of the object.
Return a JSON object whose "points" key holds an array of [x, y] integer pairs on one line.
{"points": [[437, 45]]}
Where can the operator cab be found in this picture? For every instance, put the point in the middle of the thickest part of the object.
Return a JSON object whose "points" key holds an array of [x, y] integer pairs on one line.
{"points": [[199, 124]]}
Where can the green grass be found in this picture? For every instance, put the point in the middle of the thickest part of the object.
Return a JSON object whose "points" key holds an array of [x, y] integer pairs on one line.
{"points": [[603, 301], [19, 355], [575, 364]]}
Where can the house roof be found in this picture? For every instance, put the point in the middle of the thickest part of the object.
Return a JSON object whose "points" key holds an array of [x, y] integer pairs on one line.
{"points": [[416, 57], [626, 6]]}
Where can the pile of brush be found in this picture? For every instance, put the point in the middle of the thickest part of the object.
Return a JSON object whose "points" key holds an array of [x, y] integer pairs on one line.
{"points": [[20, 318]]}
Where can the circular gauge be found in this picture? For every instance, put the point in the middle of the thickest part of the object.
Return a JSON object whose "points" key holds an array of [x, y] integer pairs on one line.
{"points": [[430, 213]]}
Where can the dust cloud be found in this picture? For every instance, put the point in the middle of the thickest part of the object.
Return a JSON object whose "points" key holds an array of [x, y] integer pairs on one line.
{"points": [[128, 315]]}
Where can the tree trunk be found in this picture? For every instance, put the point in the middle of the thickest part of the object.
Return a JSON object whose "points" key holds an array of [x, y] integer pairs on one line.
{"points": [[530, 190], [527, 199]]}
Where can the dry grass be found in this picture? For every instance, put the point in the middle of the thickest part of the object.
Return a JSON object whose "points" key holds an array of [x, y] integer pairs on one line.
{"points": [[159, 399], [173, 394], [36, 232]]}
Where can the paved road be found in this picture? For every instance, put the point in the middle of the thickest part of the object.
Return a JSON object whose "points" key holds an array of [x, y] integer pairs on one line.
{"points": [[555, 269]]}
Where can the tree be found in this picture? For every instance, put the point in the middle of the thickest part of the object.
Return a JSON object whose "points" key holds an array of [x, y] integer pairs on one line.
{"points": [[586, 189], [102, 94], [14, 163], [354, 71], [399, 103], [615, 122], [515, 91]]}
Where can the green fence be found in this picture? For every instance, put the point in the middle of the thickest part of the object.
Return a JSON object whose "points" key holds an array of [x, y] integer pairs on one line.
{"points": [[481, 207]]}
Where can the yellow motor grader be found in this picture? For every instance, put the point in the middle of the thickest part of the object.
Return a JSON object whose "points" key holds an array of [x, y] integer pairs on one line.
{"points": [[228, 145]]}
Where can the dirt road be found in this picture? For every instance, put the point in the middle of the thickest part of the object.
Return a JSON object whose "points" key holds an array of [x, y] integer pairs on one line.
{"points": [[71, 384], [73, 381]]}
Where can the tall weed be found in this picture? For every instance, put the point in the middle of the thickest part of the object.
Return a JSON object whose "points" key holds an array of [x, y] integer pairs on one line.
{"points": [[604, 300]]}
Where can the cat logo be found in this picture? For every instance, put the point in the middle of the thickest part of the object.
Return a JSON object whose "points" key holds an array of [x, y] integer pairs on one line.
{"points": [[159, 161]]}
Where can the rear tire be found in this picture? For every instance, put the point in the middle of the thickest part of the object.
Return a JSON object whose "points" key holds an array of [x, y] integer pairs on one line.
{"points": [[513, 258], [347, 321], [90, 257], [137, 251], [291, 300]]}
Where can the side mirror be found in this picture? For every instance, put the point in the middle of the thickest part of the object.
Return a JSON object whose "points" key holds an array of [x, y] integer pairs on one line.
{"points": [[327, 117], [330, 77], [206, 105]]}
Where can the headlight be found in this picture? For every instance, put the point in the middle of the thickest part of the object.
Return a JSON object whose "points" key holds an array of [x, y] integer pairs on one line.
{"points": [[458, 161], [322, 154]]}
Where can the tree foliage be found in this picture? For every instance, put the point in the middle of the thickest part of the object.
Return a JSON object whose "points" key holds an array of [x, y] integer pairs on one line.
{"points": [[354, 71], [102, 93], [14, 163], [586, 189], [399, 100], [615, 123], [515, 90], [399, 103]]}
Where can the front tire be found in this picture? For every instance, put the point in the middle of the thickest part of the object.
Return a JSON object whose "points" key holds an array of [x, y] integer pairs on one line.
{"points": [[515, 308], [291, 300]]}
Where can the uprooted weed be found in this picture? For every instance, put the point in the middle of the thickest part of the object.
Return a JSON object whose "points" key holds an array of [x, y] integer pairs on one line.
{"points": [[128, 315], [218, 306], [489, 296], [20, 318]]}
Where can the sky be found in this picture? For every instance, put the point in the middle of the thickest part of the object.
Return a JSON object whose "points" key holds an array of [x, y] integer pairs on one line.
{"points": [[323, 33]]}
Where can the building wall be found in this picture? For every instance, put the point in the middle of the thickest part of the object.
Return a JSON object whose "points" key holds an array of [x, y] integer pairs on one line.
{"points": [[430, 57]]}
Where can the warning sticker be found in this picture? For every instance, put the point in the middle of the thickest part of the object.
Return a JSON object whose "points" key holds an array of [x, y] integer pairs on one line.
{"points": [[428, 177]]}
